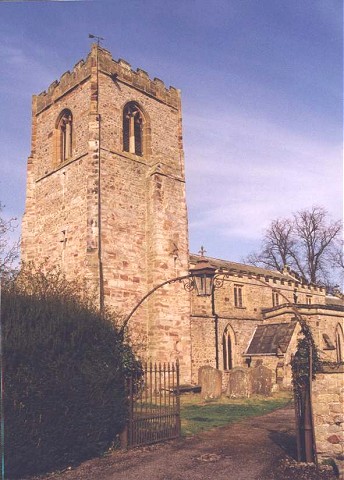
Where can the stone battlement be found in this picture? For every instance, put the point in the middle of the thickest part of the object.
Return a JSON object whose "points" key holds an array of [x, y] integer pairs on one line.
{"points": [[270, 277], [119, 71], [67, 81]]}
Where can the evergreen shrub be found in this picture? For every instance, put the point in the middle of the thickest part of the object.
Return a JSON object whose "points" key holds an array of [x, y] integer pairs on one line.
{"points": [[64, 366]]}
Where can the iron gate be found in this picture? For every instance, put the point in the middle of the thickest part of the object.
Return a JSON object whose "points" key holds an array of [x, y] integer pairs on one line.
{"points": [[154, 404]]}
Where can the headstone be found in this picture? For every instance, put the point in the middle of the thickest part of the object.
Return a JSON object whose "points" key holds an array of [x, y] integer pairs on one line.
{"points": [[201, 371], [261, 380], [210, 380], [239, 385], [279, 373]]}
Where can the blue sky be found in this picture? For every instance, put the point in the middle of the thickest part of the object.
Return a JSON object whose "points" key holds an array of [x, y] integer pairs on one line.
{"points": [[262, 96]]}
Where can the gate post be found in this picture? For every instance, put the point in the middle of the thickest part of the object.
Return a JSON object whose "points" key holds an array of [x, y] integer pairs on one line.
{"points": [[123, 437], [298, 416], [126, 434], [302, 379], [308, 427]]}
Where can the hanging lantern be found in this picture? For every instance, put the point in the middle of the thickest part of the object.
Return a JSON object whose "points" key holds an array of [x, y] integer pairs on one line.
{"points": [[203, 274]]}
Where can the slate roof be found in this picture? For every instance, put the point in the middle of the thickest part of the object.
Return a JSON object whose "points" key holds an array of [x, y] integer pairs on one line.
{"points": [[331, 300], [242, 268], [271, 338]]}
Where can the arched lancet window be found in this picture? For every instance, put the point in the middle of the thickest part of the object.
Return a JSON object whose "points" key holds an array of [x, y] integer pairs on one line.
{"points": [[340, 343], [64, 135], [227, 348], [133, 122]]}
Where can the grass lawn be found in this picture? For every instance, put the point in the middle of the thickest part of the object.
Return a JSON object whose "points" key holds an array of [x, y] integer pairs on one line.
{"points": [[198, 415]]}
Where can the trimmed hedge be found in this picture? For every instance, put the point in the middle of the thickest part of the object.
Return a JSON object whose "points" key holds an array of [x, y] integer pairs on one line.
{"points": [[64, 367]]}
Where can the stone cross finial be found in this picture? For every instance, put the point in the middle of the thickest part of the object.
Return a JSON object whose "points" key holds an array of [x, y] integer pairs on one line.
{"points": [[202, 251]]}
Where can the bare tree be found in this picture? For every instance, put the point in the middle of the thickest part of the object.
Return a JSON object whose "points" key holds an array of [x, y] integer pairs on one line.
{"points": [[315, 243], [337, 256], [276, 245], [306, 242], [9, 251]]}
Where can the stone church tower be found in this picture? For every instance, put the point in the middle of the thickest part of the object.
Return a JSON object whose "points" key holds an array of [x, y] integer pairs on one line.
{"points": [[106, 196]]}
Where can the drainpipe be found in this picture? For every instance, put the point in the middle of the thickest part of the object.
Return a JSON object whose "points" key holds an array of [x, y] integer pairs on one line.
{"points": [[100, 264]]}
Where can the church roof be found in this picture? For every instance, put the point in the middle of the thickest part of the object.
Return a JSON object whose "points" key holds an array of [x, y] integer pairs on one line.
{"points": [[238, 268], [333, 300], [270, 339]]}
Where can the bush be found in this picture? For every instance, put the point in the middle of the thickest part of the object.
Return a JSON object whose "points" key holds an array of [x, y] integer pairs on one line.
{"points": [[64, 368]]}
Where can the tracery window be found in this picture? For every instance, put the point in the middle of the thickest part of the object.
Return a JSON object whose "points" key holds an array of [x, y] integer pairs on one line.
{"points": [[339, 343], [133, 129], [64, 136], [227, 349]]}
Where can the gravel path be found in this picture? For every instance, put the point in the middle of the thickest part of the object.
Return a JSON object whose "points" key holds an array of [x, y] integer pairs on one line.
{"points": [[249, 450]]}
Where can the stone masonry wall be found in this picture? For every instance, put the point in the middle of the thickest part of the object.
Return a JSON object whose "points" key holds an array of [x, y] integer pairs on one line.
{"points": [[116, 219], [324, 324], [241, 321], [55, 220], [203, 341], [328, 414], [144, 217]]}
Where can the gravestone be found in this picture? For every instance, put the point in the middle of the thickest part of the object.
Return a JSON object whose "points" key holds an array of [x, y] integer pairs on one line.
{"points": [[201, 371], [210, 380], [239, 385], [261, 380], [279, 373]]}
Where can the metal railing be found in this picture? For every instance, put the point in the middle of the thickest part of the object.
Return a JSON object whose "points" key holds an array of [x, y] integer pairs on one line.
{"points": [[154, 405]]}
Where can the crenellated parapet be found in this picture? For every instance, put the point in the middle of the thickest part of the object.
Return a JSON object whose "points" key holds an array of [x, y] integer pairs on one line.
{"points": [[273, 278], [69, 80], [119, 71]]}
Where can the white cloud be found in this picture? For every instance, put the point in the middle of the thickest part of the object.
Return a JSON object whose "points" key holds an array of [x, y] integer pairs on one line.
{"points": [[243, 171], [27, 69]]}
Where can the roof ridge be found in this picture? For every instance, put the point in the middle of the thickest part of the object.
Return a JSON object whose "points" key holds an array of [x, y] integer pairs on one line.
{"points": [[238, 263]]}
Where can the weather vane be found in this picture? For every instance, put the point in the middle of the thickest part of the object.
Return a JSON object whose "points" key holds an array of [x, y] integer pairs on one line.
{"points": [[90, 35], [202, 251]]}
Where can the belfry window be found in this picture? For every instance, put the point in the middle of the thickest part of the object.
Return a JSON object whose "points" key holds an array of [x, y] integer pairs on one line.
{"points": [[64, 135], [132, 129]]}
